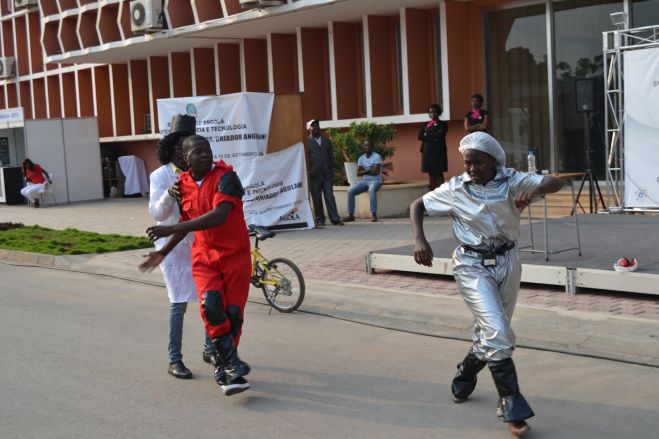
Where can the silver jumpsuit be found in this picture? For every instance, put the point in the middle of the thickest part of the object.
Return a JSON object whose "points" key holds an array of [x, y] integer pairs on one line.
{"points": [[485, 217]]}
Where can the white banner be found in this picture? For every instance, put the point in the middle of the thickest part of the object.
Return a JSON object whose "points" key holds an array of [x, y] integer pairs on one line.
{"points": [[276, 192], [641, 128], [236, 125], [11, 117]]}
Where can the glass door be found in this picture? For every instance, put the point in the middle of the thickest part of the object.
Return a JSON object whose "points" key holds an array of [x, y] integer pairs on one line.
{"points": [[516, 51], [578, 27]]}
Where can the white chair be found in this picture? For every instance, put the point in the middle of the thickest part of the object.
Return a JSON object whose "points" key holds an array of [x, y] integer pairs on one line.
{"points": [[47, 189]]}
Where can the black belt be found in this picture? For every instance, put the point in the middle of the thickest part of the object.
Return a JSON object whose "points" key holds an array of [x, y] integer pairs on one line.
{"points": [[488, 251]]}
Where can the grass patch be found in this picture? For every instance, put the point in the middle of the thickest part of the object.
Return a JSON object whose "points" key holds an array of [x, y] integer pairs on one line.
{"points": [[36, 239]]}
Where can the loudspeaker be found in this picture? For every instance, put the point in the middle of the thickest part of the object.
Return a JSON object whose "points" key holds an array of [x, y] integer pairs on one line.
{"points": [[11, 183], [584, 91]]}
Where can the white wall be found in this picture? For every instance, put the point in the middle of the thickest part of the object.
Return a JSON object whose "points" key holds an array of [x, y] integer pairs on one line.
{"points": [[45, 146], [69, 149], [19, 139], [83, 159]]}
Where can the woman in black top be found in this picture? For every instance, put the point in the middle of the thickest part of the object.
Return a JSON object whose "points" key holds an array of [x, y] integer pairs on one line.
{"points": [[433, 149], [477, 119]]}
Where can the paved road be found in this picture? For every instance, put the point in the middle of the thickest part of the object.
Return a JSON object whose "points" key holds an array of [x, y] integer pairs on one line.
{"points": [[84, 356], [336, 254]]}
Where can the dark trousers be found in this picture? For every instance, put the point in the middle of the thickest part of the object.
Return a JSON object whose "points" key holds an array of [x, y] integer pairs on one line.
{"points": [[322, 187]]}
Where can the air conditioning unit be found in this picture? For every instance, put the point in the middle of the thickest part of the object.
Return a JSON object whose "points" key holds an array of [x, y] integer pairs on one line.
{"points": [[146, 16], [259, 3], [20, 4], [7, 67]]}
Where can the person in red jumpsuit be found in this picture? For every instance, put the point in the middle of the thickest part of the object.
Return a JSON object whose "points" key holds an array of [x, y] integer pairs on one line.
{"points": [[211, 206]]}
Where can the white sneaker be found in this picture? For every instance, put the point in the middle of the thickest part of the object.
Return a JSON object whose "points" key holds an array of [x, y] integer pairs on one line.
{"points": [[234, 386]]}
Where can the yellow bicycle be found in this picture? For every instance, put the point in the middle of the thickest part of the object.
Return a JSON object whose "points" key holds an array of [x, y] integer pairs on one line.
{"points": [[280, 279]]}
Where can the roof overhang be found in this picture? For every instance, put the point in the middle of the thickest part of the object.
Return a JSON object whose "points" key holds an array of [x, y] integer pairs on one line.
{"points": [[253, 23]]}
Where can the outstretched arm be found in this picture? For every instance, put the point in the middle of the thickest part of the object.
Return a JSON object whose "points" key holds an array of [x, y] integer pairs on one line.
{"points": [[155, 258], [208, 220], [422, 251], [178, 231], [549, 185]]}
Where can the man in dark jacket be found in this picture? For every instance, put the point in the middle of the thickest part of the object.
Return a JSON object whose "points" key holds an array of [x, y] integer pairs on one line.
{"points": [[321, 174]]}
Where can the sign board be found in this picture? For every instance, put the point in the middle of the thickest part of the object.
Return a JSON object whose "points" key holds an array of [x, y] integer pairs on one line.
{"points": [[641, 128]]}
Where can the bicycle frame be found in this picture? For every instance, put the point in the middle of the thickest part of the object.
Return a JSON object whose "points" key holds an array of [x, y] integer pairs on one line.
{"points": [[258, 279]]}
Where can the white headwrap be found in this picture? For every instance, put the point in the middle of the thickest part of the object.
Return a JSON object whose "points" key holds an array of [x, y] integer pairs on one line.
{"points": [[481, 141], [311, 122]]}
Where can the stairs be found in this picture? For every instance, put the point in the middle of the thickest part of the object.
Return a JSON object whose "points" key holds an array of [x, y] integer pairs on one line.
{"points": [[559, 204]]}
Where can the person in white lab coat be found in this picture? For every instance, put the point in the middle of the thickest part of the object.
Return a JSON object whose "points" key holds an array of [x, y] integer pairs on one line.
{"points": [[177, 268]]}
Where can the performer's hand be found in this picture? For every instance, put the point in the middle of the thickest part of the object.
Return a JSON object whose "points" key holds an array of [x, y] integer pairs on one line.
{"points": [[156, 232], [173, 191], [423, 253], [154, 259], [524, 199]]}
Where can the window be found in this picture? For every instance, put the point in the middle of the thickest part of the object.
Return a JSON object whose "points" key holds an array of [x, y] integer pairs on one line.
{"points": [[645, 13], [517, 83], [437, 32]]}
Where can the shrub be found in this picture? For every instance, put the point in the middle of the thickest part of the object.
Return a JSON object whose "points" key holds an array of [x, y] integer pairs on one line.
{"points": [[347, 144]]}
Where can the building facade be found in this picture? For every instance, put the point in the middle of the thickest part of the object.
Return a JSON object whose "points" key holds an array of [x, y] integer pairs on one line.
{"points": [[380, 60]]}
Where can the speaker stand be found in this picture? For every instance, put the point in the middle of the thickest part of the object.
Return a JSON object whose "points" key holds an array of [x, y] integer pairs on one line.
{"points": [[594, 193]]}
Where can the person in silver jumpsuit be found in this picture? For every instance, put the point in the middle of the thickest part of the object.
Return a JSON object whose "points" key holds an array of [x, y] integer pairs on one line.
{"points": [[486, 203]]}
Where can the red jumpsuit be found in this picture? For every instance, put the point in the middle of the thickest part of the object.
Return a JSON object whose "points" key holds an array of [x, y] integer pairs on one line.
{"points": [[220, 255]]}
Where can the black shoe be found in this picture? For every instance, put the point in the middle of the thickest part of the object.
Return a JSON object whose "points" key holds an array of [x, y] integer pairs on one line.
{"points": [[210, 358], [348, 219], [228, 356], [459, 400], [234, 386], [220, 376], [337, 222], [465, 379], [178, 370], [513, 407]]}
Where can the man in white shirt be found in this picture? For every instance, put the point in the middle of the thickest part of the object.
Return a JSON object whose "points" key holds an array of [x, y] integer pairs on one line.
{"points": [[177, 268], [369, 167]]}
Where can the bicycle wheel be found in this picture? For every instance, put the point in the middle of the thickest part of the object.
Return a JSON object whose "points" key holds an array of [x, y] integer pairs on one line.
{"points": [[283, 285]]}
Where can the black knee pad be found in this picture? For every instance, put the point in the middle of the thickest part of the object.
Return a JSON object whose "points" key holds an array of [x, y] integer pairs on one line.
{"points": [[213, 308], [236, 319]]}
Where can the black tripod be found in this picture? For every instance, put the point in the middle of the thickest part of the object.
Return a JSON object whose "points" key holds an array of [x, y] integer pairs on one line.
{"points": [[594, 191]]}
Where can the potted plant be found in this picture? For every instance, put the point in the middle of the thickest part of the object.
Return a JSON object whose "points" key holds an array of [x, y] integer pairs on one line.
{"points": [[348, 147]]}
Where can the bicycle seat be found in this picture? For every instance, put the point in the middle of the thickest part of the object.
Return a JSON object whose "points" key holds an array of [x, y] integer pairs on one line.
{"points": [[261, 233]]}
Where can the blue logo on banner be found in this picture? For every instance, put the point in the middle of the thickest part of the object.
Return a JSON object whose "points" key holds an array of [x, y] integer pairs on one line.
{"points": [[191, 109]]}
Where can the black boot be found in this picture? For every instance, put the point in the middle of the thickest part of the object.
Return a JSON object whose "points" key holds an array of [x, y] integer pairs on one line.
{"points": [[513, 407], [464, 382], [228, 356]]}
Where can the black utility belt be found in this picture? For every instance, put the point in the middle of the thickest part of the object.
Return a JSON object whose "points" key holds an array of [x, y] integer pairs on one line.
{"points": [[489, 256]]}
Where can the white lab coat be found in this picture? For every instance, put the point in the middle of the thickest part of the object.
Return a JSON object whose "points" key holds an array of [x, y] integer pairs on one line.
{"points": [[177, 266]]}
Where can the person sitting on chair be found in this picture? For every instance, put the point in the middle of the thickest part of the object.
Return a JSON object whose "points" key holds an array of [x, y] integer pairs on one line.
{"points": [[369, 166], [36, 177]]}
